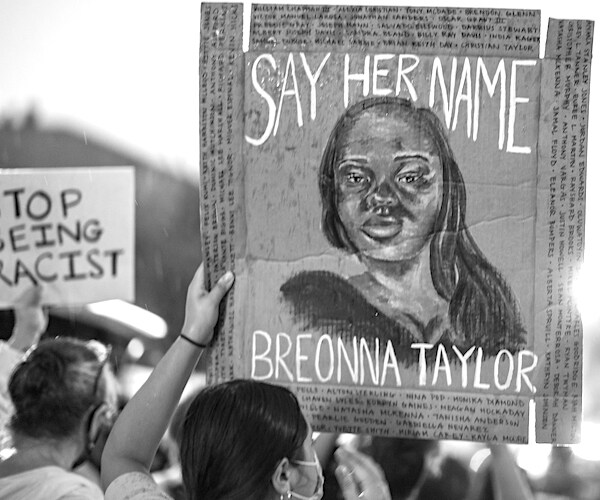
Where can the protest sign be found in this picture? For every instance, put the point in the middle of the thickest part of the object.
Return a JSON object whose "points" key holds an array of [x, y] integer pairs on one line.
{"points": [[70, 230], [401, 193]]}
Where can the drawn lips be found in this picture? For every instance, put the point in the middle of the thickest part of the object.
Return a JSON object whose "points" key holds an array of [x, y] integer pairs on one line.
{"points": [[382, 229]]}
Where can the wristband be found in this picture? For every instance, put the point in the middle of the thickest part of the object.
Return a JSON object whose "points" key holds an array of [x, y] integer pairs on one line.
{"points": [[197, 344]]}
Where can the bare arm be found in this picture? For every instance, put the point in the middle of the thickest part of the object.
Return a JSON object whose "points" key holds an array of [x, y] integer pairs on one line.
{"points": [[30, 324], [30, 320], [136, 435]]}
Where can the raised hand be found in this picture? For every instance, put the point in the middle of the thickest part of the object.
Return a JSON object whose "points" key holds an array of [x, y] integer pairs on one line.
{"points": [[202, 307], [31, 319], [360, 478]]}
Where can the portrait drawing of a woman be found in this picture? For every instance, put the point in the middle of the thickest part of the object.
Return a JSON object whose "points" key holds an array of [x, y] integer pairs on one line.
{"points": [[393, 195]]}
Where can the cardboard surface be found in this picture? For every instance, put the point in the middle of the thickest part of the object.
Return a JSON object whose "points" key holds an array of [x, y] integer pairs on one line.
{"points": [[387, 208], [70, 230]]}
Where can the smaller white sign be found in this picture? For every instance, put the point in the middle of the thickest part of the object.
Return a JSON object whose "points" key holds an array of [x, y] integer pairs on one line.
{"points": [[70, 230]]}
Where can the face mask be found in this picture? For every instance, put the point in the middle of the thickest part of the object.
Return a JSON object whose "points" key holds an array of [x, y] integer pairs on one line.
{"points": [[318, 494]]}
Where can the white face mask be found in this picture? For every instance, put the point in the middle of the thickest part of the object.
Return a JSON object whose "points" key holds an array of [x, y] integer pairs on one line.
{"points": [[318, 494]]}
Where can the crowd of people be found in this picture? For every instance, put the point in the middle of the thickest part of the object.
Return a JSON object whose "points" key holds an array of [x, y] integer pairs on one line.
{"points": [[241, 439]]}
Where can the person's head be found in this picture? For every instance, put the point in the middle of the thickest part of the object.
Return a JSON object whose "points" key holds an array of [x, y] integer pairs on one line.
{"points": [[245, 439], [63, 390], [387, 180]]}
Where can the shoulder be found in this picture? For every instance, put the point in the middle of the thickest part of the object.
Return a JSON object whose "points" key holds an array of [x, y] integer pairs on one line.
{"points": [[50, 483], [314, 281], [323, 289], [72, 485], [134, 486], [331, 303]]}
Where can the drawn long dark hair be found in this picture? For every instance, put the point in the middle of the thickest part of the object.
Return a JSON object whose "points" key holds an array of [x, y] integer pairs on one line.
{"points": [[481, 304]]}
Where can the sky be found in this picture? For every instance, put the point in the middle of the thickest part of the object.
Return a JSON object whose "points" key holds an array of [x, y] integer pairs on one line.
{"points": [[126, 71]]}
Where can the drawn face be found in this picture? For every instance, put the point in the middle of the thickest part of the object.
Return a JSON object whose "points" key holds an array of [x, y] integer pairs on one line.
{"points": [[389, 180]]}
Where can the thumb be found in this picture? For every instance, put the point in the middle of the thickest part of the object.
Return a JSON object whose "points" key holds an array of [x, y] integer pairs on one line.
{"points": [[222, 287]]}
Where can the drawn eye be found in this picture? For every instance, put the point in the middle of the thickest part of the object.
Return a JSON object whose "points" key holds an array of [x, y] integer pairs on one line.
{"points": [[410, 177], [355, 178], [416, 173]]}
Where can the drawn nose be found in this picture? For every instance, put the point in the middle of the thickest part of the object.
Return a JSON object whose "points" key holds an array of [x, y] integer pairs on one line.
{"points": [[382, 199]]}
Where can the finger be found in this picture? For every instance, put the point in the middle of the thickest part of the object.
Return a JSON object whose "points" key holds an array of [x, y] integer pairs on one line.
{"points": [[364, 467], [351, 458], [346, 482], [197, 286], [222, 287]]}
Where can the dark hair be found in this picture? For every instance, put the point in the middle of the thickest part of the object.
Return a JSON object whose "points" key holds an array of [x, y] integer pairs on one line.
{"points": [[481, 304], [234, 435], [54, 387]]}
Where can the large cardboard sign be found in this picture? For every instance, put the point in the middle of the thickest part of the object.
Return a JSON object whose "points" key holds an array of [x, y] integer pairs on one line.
{"points": [[401, 193], [70, 230]]}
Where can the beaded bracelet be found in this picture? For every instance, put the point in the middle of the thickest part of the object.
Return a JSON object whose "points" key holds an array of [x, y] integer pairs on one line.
{"points": [[197, 344]]}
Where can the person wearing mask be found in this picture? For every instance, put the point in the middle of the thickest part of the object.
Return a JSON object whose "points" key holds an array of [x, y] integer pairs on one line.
{"points": [[241, 439]]}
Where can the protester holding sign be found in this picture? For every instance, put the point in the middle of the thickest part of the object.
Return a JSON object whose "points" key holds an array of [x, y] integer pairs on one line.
{"points": [[63, 394], [241, 440]]}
